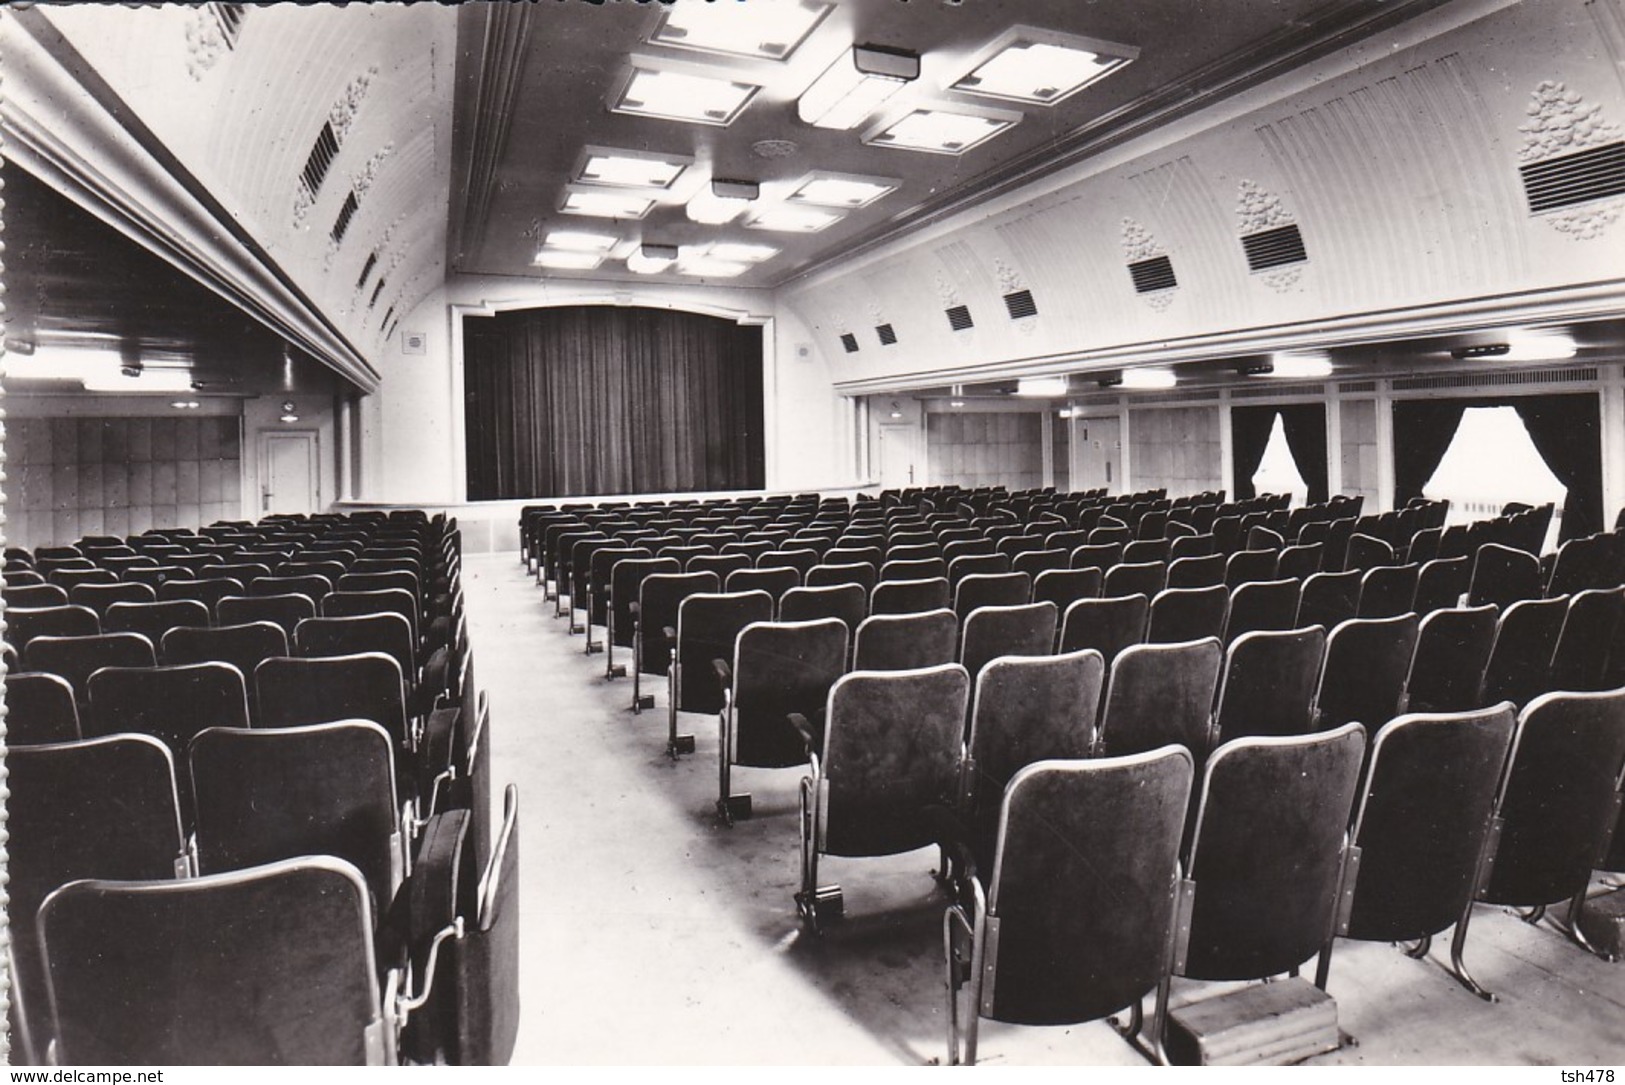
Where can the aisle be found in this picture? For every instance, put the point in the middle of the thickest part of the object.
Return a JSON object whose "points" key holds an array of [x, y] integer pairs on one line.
{"points": [[653, 935]]}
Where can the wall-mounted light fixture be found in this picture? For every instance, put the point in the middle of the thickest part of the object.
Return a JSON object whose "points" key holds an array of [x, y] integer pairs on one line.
{"points": [[896, 411], [1041, 386], [289, 411]]}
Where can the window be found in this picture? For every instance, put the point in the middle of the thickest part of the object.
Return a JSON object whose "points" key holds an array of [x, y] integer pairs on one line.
{"points": [[1277, 472], [1491, 462]]}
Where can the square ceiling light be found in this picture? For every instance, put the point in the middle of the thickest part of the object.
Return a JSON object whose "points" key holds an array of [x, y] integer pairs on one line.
{"points": [[695, 260], [568, 259], [841, 190], [760, 29], [630, 169], [679, 96], [1041, 67], [939, 130], [580, 241], [861, 80], [605, 204], [740, 252], [649, 259], [789, 218]]}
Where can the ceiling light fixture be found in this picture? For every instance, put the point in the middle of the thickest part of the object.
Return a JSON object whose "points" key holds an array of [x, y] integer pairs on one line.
{"points": [[842, 190], [290, 413], [1149, 379], [1041, 67], [185, 404], [167, 380], [1041, 386], [741, 252], [609, 205], [761, 29], [942, 131], [678, 96], [794, 220], [568, 260], [630, 169], [1524, 346], [649, 259], [1301, 366], [722, 201], [580, 241], [858, 83], [956, 403]]}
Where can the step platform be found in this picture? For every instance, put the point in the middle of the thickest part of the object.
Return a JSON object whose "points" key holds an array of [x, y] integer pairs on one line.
{"points": [[1262, 1024]]}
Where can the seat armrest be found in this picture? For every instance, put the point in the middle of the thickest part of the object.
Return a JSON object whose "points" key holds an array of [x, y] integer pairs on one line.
{"points": [[804, 727], [952, 834], [671, 634], [725, 674]]}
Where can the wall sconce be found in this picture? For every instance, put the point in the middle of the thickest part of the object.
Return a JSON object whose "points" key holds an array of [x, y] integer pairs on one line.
{"points": [[289, 411], [896, 412]]}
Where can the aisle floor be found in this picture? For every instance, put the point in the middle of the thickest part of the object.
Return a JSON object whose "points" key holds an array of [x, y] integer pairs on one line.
{"points": [[652, 934]]}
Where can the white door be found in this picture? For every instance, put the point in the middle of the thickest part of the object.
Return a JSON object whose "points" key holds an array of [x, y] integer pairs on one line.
{"points": [[288, 481], [1099, 453], [897, 445]]}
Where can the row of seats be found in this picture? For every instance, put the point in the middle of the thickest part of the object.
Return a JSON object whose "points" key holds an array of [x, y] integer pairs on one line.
{"points": [[323, 870], [960, 748]]}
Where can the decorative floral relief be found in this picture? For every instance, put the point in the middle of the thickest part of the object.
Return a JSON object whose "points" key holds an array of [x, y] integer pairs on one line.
{"points": [[1282, 279], [1010, 280], [205, 42], [363, 178], [875, 311], [1159, 299], [1138, 244], [1586, 223], [303, 201], [342, 115], [1560, 122], [1259, 209], [947, 291]]}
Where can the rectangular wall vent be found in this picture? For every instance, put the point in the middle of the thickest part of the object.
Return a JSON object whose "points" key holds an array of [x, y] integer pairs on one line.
{"points": [[346, 213], [959, 318], [1156, 273], [379, 289], [1274, 248], [322, 153], [387, 322], [1571, 375], [1020, 304], [389, 331], [888, 336], [850, 342], [1593, 174], [1272, 390], [1357, 386], [230, 19], [366, 269]]}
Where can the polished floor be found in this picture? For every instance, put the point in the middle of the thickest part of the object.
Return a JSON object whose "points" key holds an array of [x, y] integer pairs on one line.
{"points": [[654, 935]]}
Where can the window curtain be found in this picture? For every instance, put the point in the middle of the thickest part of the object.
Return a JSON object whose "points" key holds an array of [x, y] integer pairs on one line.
{"points": [[1304, 426], [611, 400], [1567, 432], [1423, 430], [1249, 437]]}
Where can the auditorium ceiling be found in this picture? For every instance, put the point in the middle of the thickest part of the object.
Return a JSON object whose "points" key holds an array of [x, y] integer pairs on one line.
{"points": [[564, 159]]}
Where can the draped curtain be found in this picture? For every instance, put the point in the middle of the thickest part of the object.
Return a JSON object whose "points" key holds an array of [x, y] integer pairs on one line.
{"points": [[1565, 429], [1303, 425], [611, 400]]}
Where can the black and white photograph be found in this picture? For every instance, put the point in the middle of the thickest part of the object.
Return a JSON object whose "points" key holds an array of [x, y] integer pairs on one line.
{"points": [[813, 533]]}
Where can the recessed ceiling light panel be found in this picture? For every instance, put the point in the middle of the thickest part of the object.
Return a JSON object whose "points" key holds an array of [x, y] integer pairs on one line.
{"points": [[842, 190], [649, 259], [788, 218], [568, 259], [680, 96], [741, 252], [760, 29], [860, 81], [604, 204], [580, 240], [721, 201], [629, 169], [1041, 67], [939, 130], [710, 267]]}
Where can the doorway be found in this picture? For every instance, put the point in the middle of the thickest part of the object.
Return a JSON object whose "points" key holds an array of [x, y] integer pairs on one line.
{"points": [[1099, 453], [289, 481], [898, 446]]}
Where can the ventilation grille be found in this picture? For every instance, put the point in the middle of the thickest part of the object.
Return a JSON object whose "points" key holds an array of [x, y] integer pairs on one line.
{"points": [[1594, 174], [1156, 273], [366, 269], [1274, 248], [346, 213], [379, 289], [390, 330], [389, 323], [888, 336], [1571, 375], [230, 17], [959, 318], [321, 158], [1357, 386], [1020, 304], [1277, 390], [850, 342]]}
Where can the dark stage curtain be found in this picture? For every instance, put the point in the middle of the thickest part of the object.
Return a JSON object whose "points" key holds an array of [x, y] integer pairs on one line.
{"points": [[1423, 430], [611, 400], [1304, 426], [1249, 437], [1567, 432]]}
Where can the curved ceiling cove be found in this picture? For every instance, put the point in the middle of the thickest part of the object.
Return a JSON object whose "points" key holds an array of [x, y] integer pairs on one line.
{"points": [[1409, 182], [319, 135]]}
